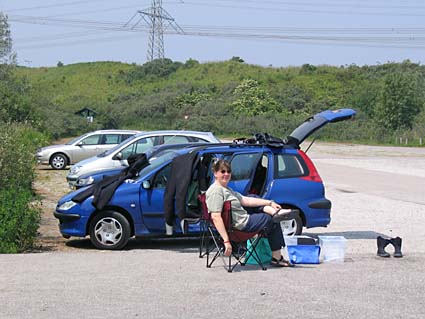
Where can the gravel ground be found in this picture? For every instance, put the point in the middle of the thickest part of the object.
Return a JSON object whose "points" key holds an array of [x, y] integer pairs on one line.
{"points": [[375, 191], [50, 185]]}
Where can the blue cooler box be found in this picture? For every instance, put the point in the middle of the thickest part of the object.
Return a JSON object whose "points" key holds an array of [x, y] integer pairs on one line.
{"points": [[302, 250]]}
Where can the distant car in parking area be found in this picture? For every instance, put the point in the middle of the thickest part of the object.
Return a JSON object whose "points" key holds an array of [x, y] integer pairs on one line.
{"points": [[116, 158], [85, 146], [277, 170]]}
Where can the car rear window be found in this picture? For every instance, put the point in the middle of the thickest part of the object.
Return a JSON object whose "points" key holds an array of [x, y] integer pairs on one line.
{"points": [[198, 140], [123, 137], [111, 139], [289, 165], [175, 139]]}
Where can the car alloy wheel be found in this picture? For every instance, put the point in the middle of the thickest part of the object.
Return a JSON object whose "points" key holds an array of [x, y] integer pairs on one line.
{"points": [[292, 227], [58, 161], [109, 230]]}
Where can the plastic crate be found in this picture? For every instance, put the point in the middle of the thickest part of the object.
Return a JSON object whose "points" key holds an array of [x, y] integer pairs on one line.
{"points": [[332, 248]]}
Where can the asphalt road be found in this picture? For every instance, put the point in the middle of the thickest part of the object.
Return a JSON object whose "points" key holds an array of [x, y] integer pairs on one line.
{"points": [[375, 191]]}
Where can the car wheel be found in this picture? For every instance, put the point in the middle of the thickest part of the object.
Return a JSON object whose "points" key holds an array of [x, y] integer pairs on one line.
{"points": [[292, 227], [58, 161], [109, 230]]}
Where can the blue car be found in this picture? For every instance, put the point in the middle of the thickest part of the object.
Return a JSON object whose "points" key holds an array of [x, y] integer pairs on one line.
{"points": [[268, 167]]}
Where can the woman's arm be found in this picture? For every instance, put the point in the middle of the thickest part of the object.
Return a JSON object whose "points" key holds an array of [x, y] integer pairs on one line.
{"points": [[219, 225], [256, 201]]}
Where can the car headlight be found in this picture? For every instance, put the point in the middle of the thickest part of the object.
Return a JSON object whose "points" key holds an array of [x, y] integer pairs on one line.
{"points": [[85, 181], [39, 152], [75, 169], [67, 205]]}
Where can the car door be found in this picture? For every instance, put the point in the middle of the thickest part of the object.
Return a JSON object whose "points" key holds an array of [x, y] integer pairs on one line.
{"points": [[152, 201], [316, 122], [87, 147], [243, 168]]}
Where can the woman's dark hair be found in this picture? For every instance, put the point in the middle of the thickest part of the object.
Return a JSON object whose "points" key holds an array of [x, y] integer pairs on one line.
{"points": [[220, 164]]}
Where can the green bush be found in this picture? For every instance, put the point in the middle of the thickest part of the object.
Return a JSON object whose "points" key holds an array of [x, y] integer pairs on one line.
{"points": [[19, 219]]}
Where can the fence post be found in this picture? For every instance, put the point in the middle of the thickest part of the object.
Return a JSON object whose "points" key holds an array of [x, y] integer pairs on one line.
{"points": [[420, 141]]}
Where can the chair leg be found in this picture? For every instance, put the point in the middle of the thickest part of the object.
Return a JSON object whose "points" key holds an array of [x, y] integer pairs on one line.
{"points": [[202, 241], [207, 251]]}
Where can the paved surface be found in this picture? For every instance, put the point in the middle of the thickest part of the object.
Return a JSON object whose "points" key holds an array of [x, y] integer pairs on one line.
{"points": [[374, 191]]}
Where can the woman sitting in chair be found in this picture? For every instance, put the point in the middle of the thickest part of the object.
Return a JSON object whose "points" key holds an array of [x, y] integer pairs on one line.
{"points": [[267, 215]]}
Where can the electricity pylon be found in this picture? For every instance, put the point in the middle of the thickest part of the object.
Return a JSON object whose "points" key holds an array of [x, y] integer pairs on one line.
{"points": [[158, 20]]}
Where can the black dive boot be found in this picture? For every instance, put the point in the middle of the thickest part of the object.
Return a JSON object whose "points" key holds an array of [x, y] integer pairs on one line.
{"points": [[397, 247], [382, 243]]}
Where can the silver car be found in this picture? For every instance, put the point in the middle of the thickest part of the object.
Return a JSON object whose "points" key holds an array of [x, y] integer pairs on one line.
{"points": [[117, 156], [80, 148]]}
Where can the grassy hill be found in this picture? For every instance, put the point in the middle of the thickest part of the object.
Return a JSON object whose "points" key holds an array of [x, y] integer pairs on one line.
{"points": [[228, 97]]}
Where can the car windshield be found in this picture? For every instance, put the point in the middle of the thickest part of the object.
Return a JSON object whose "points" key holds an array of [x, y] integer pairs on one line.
{"points": [[75, 139], [117, 147], [155, 162]]}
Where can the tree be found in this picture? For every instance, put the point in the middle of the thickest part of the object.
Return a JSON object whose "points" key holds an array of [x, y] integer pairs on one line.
{"points": [[252, 100], [400, 101], [14, 103], [6, 54]]}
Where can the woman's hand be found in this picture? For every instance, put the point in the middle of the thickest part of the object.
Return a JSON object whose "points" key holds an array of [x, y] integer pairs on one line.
{"points": [[227, 249], [276, 206]]}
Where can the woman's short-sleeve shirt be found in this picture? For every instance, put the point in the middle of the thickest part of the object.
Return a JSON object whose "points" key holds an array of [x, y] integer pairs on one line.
{"points": [[216, 195]]}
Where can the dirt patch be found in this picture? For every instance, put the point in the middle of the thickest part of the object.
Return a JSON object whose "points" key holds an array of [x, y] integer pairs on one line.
{"points": [[50, 185]]}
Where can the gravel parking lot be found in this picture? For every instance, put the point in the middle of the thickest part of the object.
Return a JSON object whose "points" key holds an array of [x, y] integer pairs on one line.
{"points": [[374, 191]]}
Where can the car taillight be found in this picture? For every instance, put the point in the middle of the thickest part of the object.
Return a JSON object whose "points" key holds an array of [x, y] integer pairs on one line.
{"points": [[313, 173]]}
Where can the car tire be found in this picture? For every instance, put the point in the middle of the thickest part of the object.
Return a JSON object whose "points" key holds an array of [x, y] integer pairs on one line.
{"points": [[58, 161], [109, 230], [292, 227]]}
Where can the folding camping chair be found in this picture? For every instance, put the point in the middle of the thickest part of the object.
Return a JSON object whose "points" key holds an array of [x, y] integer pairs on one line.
{"points": [[237, 238]]}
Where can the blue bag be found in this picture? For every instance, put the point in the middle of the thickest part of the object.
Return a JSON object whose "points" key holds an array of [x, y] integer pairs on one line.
{"points": [[263, 250], [303, 254]]}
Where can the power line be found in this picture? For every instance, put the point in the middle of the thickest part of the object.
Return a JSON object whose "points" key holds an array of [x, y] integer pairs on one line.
{"points": [[117, 26], [322, 10], [57, 5]]}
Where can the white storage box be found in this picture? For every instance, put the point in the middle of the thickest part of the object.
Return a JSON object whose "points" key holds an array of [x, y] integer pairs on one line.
{"points": [[332, 248]]}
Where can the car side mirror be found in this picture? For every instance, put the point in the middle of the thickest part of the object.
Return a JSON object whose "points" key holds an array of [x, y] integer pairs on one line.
{"points": [[146, 184], [79, 144], [118, 156]]}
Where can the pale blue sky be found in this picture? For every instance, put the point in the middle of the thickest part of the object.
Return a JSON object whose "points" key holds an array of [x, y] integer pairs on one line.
{"points": [[269, 32]]}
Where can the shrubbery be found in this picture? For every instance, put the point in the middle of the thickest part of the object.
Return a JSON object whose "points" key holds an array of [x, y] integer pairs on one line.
{"points": [[19, 218], [230, 98]]}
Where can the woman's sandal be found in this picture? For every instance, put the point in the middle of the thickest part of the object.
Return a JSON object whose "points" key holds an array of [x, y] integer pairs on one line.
{"points": [[281, 262]]}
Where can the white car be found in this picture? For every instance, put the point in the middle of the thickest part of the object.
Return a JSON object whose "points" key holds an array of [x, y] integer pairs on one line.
{"points": [[117, 156], [82, 147]]}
